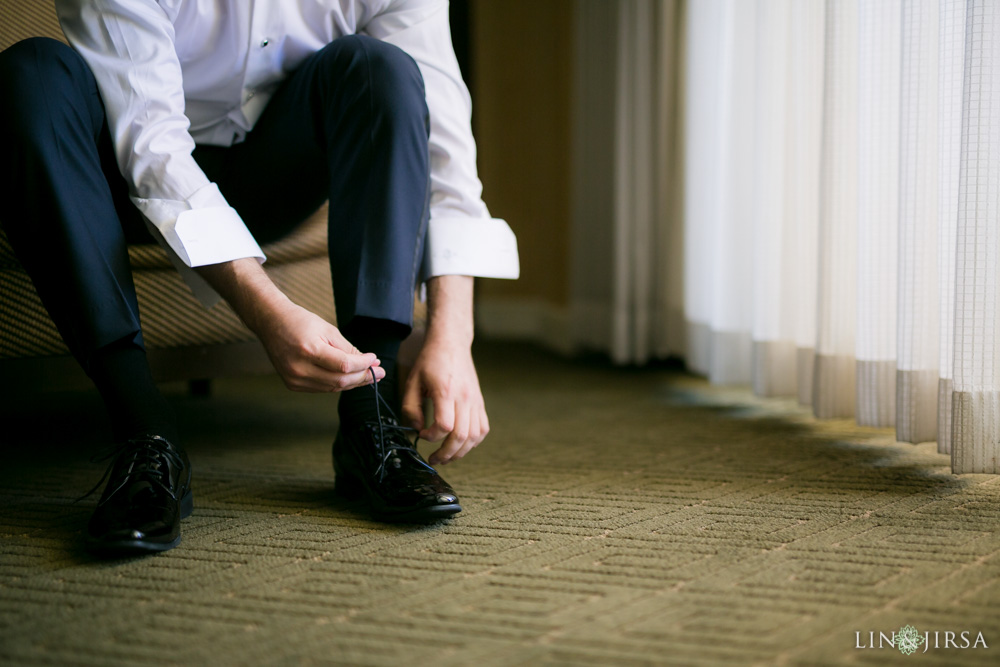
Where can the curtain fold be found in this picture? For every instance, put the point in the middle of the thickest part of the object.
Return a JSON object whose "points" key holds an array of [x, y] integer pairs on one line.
{"points": [[879, 63], [919, 330], [951, 93], [834, 386], [976, 397], [773, 330], [807, 25], [704, 101], [719, 205], [626, 293]]}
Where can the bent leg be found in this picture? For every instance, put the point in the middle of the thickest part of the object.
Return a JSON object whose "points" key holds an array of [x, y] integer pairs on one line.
{"points": [[350, 124], [61, 215], [68, 217], [377, 125]]}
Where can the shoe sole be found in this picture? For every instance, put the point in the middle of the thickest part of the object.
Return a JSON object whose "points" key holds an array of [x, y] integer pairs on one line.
{"points": [[423, 515], [351, 488], [140, 547]]}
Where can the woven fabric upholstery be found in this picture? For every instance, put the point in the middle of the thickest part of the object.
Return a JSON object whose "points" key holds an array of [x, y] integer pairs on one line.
{"points": [[20, 19], [171, 316], [25, 328], [183, 321]]}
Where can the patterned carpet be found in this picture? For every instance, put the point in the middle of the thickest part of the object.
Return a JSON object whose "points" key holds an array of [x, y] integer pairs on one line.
{"points": [[614, 517]]}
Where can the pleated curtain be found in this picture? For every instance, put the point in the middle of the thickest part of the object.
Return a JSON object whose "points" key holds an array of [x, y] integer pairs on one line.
{"points": [[842, 209], [829, 229], [976, 399], [626, 258]]}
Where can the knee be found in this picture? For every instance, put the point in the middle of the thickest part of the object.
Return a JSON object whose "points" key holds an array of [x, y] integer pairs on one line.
{"points": [[39, 75], [38, 61], [390, 75]]}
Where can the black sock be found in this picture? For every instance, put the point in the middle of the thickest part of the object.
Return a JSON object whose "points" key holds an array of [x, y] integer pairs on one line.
{"points": [[383, 337], [135, 405]]}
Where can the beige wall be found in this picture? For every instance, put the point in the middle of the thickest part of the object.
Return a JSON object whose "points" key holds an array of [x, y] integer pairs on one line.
{"points": [[521, 63]]}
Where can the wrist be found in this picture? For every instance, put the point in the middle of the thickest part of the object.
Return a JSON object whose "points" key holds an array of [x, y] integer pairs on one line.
{"points": [[262, 308], [451, 337], [449, 311], [248, 290]]}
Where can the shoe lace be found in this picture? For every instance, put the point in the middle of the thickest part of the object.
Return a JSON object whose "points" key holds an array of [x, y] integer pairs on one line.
{"points": [[141, 457], [397, 434]]}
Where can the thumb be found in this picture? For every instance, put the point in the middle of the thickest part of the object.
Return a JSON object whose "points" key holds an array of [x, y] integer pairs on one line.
{"points": [[413, 409], [338, 341]]}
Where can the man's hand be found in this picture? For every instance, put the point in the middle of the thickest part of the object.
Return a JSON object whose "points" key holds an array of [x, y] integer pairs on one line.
{"points": [[444, 373], [308, 352], [311, 354]]}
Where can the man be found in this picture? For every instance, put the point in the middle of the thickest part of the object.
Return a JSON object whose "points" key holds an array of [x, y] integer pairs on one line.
{"points": [[226, 124]]}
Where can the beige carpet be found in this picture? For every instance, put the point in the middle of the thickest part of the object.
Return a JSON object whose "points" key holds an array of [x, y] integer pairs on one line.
{"points": [[614, 517]]}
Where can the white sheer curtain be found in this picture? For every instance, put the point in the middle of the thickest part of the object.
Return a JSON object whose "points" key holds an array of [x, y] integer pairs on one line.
{"points": [[976, 404], [719, 202], [904, 142], [839, 210], [923, 226]]}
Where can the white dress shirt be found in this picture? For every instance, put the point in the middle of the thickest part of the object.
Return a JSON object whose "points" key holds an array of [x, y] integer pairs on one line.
{"points": [[173, 73]]}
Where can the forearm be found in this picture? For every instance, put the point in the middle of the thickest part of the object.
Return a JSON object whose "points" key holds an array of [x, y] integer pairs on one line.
{"points": [[308, 352], [247, 288], [449, 310]]}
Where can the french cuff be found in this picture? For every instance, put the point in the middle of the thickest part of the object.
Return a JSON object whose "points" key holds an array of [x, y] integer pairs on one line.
{"points": [[201, 231], [485, 248]]}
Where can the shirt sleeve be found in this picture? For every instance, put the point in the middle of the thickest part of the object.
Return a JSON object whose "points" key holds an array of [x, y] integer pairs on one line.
{"points": [[462, 238], [129, 46]]}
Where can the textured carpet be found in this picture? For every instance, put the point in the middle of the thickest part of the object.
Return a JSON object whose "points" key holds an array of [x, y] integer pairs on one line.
{"points": [[614, 517]]}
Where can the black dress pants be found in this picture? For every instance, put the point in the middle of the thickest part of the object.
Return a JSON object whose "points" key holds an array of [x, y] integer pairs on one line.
{"points": [[349, 125]]}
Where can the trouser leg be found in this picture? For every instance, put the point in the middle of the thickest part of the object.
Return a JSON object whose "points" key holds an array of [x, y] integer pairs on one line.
{"points": [[68, 217], [66, 209], [350, 124]]}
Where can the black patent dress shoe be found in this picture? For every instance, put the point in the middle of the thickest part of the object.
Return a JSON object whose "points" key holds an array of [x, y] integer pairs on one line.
{"points": [[148, 493], [378, 463]]}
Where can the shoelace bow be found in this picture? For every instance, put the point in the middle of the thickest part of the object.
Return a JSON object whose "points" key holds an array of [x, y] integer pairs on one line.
{"points": [[394, 428], [147, 459]]}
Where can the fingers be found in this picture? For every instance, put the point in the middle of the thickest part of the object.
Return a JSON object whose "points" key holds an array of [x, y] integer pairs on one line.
{"points": [[333, 368], [471, 427], [336, 360], [444, 420], [336, 338], [413, 408], [312, 355], [328, 349], [476, 434], [455, 440], [311, 378]]}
